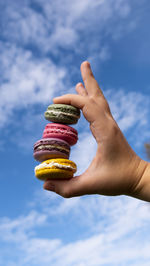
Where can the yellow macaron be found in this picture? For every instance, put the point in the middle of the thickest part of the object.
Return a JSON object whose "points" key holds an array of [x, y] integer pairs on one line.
{"points": [[55, 169]]}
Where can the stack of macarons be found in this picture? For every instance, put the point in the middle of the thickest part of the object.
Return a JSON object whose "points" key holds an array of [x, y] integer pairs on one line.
{"points": [[53, 150]]}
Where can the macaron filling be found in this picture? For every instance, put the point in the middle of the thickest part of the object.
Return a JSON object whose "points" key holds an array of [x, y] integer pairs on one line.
{"points": [[51, 148], [62, 113], [57, 113], [64, 108], [55, 166]]}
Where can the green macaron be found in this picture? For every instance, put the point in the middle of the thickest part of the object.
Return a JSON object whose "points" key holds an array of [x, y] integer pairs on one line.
{"points": [[62, 113]]}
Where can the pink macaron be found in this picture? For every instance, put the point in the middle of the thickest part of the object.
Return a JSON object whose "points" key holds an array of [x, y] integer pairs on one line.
{"points": [[60, 131]]}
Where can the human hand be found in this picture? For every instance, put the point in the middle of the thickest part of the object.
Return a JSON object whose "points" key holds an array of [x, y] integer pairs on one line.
{"points": [[115, 169]]}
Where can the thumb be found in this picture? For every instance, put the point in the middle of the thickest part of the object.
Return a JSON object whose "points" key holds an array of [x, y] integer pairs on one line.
{"points": [[66, 188]]}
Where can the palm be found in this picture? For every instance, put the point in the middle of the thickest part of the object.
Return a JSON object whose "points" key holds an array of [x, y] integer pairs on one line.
{"points": [[109, 175]]}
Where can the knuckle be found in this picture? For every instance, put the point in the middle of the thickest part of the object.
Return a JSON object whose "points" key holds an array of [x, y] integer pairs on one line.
{"points": [[101, 101], [92, 98]]}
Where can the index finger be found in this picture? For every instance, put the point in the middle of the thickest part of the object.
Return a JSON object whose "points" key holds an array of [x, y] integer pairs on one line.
{"points": [[72, 99], [90, 83]]}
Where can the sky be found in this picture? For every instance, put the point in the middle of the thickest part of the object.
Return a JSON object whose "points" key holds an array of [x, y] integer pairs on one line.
{"points": [[42, 44]]}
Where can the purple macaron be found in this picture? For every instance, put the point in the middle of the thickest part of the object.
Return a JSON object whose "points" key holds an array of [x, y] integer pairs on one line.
{"points": [[49, 148]]}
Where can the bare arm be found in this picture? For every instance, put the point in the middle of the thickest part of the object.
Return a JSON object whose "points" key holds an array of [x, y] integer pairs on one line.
{"points": [[116, 169]]}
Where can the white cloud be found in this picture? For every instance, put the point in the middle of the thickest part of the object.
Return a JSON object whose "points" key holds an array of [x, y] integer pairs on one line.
{"points": [[84, 151], [129, 109], [104, 54], [17, 230], [43, 32], [113, 228], [53, 27], [115, 232], [26, 81]]}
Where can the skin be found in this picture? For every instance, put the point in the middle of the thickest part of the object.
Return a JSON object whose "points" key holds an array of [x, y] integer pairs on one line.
{"points": [[116, 169]]}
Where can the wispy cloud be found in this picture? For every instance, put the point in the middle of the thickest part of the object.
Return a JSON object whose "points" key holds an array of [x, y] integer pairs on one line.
{"points": [[129, 109], [37, 36], [41, 49], [26, 80], [108, 221], [50, 27]]}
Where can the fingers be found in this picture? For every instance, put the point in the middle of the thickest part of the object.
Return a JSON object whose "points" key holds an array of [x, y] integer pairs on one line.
{"points": [[72, 99], [81, 90], [91, 88], [66, 188], [90, 83]]}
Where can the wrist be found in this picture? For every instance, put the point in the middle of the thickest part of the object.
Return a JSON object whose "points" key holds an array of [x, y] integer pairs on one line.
{"points": [[142, 187]]}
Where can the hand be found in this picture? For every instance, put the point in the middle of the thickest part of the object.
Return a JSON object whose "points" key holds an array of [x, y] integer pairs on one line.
{"points": [[115, 169]]}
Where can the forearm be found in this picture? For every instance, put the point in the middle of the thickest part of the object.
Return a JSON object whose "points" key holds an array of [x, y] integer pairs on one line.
{"points": [[142, 188]]}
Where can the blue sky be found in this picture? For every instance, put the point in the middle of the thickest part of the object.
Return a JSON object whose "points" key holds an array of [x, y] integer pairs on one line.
{"points": [[42, 44]]}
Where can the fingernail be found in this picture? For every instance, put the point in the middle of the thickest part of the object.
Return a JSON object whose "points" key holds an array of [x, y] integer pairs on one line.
{"points": [[80, 85], [88, 64]]}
